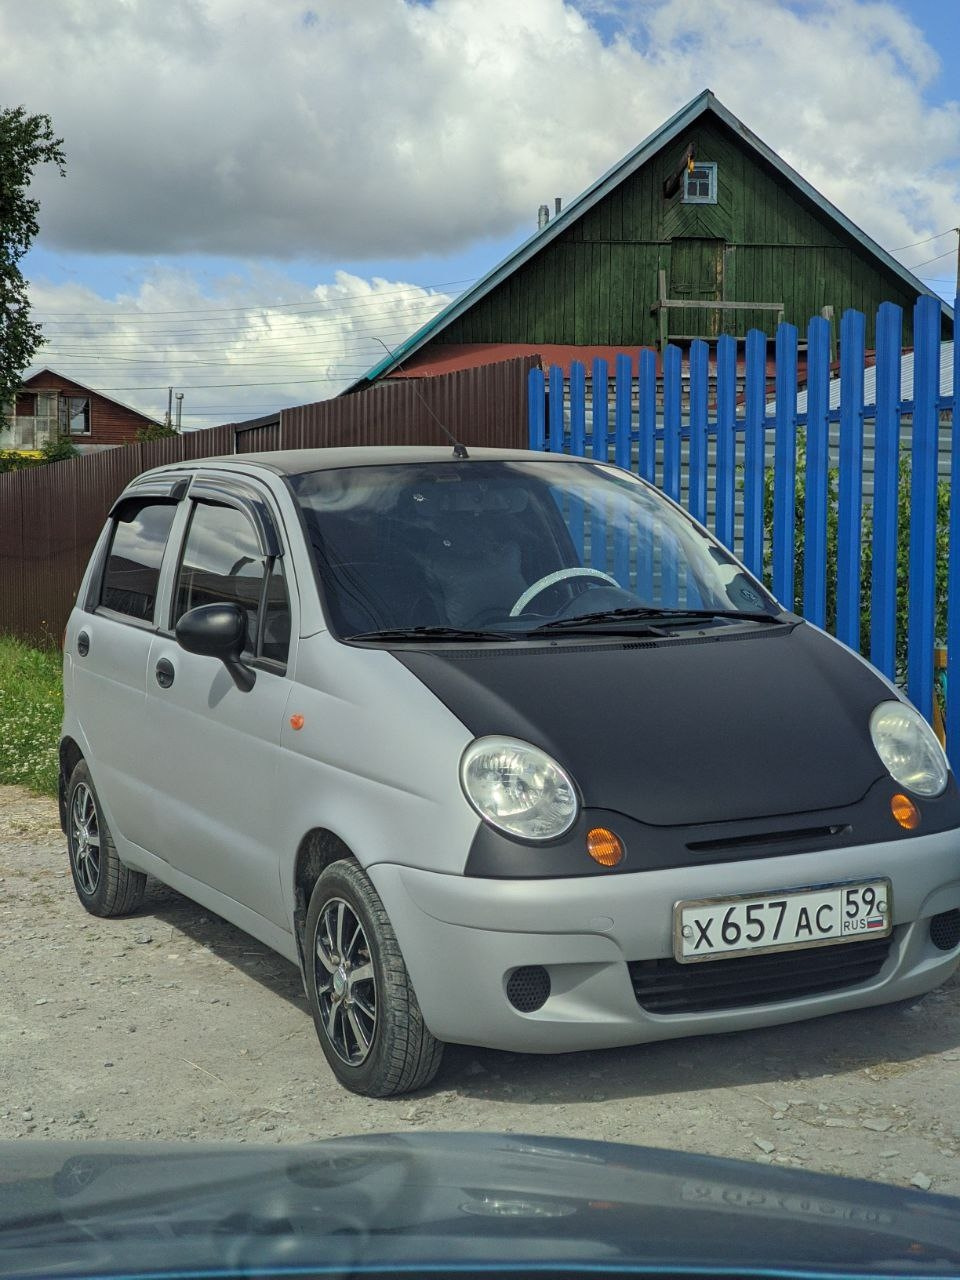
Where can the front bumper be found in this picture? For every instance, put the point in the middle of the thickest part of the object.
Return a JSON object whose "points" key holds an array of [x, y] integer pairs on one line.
{"points": [[463, 937]]}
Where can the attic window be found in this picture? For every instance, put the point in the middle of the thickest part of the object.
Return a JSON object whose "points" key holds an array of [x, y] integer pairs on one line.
{"points": [[700, 184], [75, 415]]}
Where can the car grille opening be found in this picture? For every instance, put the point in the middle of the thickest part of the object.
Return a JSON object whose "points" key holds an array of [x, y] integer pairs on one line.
{"points": [[664, 986], [812, 836], [528, 988], [945, 930]]}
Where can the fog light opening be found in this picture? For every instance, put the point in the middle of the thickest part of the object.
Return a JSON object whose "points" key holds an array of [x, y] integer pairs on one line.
{"points": [[604, 846], [945, 930], [905, 811], [528, 988]]}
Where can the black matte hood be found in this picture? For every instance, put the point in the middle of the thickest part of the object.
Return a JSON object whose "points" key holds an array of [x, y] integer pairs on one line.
{"points": [[441, 1204], [739, 722]]}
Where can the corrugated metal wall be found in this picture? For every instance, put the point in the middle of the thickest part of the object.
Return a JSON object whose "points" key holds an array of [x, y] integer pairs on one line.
{"points": [[50, 516], [482, 406]]}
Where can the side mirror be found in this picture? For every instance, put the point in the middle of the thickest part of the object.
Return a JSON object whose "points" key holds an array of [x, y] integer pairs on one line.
{"points": [[218, 631]]}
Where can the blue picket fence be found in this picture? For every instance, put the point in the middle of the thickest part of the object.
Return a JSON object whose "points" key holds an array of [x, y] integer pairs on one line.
{"points": [[714, 437]]}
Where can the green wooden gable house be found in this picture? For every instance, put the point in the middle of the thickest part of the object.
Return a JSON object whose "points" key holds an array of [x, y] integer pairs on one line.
{"points": [[702, 230]]}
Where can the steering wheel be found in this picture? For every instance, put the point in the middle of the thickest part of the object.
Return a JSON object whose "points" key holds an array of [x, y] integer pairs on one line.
{"points": [[549, 579]]}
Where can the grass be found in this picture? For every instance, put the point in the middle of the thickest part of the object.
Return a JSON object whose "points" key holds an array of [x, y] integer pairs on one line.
{"points": [[31, 707]]}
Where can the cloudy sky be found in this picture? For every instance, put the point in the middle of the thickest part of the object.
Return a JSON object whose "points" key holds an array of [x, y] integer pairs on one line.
{"points": [[259, 192]]}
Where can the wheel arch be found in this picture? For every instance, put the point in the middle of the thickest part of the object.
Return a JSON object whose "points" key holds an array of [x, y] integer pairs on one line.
{"points": [[70, 757], [318, 849]]}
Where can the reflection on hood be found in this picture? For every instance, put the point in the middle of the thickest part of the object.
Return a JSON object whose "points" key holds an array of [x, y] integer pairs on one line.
{"points": [[451, 1200]]}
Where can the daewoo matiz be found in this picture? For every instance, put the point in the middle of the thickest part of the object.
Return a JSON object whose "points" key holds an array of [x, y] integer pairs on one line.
{"points": [[502, 750]]}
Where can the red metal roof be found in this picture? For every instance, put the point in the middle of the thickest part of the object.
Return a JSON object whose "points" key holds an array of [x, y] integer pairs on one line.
{"points": [[451, 357]]}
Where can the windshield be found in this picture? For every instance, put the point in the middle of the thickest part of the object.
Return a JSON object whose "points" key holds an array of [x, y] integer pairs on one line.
{"points": [[505, 545]]}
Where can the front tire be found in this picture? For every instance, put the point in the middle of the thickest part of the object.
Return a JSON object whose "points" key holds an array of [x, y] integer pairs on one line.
{"points": [[364, 1007], [104, 885]]}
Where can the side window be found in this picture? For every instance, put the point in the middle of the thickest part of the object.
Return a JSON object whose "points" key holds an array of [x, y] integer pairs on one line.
{"points": [[75, 415], [132, 571], [222, 563]]}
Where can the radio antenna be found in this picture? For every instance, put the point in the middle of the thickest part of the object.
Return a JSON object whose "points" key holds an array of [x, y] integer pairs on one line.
{"points": [[459, 450]]}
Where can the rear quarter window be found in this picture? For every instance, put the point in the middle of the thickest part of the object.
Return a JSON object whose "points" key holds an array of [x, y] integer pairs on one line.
{"points": [[132, 571]]}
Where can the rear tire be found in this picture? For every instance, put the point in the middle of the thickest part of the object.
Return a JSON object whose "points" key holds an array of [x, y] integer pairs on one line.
{"points": [[104, 885], [364, 1007]]}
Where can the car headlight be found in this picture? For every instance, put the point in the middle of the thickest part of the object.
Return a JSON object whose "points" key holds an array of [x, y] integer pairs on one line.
{"points": [[909, 748], [517, 788]]}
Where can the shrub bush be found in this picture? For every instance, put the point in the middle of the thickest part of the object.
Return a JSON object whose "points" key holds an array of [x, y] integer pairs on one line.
{"points": [[903, 552]]}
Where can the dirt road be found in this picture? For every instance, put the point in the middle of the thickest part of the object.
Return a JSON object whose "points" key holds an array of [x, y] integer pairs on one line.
{"points": [[173, 1024]]}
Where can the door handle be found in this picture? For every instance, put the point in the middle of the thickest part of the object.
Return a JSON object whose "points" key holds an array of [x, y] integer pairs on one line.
{"points": [[165, 673], [83, 644]]}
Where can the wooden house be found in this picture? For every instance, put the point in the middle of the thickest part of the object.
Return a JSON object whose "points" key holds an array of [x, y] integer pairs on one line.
{"points": [[702, 230], [50, 405]]}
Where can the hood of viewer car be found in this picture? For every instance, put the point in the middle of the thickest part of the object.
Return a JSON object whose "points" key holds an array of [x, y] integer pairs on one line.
{"points": [[725, 723], [473, 1203]]}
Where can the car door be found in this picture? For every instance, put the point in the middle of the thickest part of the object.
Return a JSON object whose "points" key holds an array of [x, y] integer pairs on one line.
{"points": [[215, 747], [108, 644]]}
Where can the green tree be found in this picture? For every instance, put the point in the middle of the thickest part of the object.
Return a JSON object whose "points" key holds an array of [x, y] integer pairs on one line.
{"points": [[59, 449], [12, 460], [158, 431], [26, 143]]}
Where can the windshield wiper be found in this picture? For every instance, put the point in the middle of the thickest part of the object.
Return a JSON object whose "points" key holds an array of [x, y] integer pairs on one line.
{"points": [[651, 613], [435, 633]]}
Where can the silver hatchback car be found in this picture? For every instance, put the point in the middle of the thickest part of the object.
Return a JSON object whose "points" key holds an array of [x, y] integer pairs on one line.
{"points": [[502, 750]]}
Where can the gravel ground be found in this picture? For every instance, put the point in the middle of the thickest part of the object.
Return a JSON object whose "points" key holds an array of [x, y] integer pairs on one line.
{"points": [[172, 1024]]}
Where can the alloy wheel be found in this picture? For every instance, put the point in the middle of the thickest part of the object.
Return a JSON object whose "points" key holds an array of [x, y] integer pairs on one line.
{"points": [[346, 984], [85, 839]]}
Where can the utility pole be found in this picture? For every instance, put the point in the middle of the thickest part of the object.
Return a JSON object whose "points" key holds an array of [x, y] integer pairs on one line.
{"points": [[179, 407], [169, 406]]}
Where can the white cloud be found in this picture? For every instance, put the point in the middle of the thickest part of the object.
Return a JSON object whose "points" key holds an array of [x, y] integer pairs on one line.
{"points": [[230, 355], [360, 131], [355, 130], [837, 88]]}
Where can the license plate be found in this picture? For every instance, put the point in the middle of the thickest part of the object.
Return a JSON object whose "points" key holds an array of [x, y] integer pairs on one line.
{"points": [[718, 928]]}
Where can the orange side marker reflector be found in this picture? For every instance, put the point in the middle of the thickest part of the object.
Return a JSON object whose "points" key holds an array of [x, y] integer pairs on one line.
{"points": [[604, 846], [905, 811], [296, 722]]}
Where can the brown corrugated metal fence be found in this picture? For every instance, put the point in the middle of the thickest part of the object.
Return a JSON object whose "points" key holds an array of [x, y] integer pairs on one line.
{"points": [[50, 516], [482, 406]]}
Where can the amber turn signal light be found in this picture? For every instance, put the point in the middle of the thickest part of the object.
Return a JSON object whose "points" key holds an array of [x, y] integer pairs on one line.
{"points": [[604, 847], [905, 811]]}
